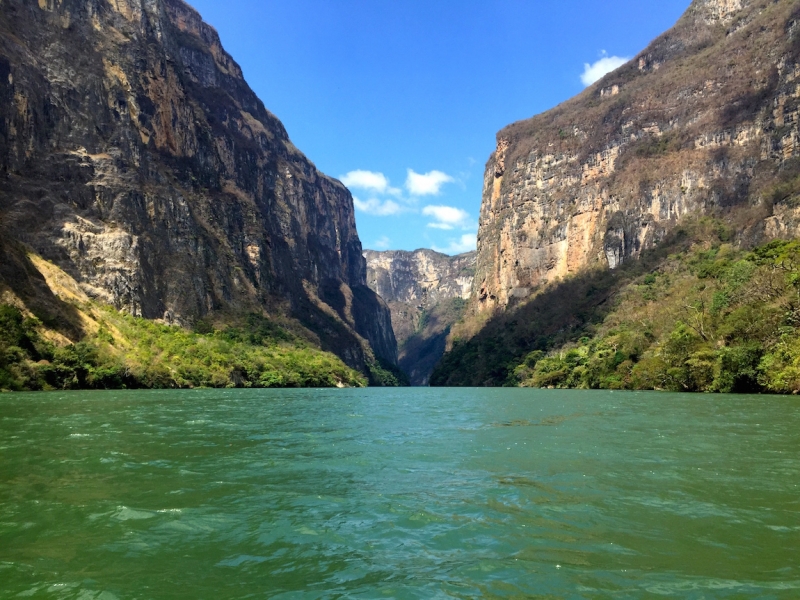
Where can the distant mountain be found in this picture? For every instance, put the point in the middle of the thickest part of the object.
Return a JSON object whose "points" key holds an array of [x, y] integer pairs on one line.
{"points": [[426, 292], [134, 156]]}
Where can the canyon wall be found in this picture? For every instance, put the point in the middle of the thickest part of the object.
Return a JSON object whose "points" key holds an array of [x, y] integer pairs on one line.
{"points": [[426, 292], [135, 157], [704, 121]]}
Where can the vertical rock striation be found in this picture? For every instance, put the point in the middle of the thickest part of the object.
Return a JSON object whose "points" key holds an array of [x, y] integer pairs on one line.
{"points": [[704, 121], [426, 292], [135, 157]]}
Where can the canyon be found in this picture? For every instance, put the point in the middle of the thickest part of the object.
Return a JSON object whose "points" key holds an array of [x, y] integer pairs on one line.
{"points": [[426, 292], [138, 166], [135, 158]]}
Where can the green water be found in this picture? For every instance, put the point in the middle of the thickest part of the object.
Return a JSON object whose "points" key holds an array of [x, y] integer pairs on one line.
{"points": [[398, 494]]}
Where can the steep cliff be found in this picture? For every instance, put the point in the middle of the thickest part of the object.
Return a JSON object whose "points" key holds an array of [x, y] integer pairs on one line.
{"points": [[134, 156], [426, 292], [705, 120]]}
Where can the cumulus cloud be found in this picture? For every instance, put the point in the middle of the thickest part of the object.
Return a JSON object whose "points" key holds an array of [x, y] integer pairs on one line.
{"points": [[467, 242], [370, 181], [428, 184], [605, 65], [446, 217], [378, 208], [382, 243]]}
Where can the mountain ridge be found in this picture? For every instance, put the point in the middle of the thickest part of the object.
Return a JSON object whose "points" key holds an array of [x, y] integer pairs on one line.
{"points": [[134, 156]]}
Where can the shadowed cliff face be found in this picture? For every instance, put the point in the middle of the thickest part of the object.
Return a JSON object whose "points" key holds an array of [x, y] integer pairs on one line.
{"points": [[705, 121], [426, 292], [134, 156]]}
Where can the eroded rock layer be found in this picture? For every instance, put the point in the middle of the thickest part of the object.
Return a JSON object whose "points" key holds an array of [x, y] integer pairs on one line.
{"points": [[134, 156], [705, 121], [426, 292]]}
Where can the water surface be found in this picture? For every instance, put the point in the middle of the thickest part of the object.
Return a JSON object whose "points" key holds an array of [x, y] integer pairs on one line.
{"points": [[398, 494]]}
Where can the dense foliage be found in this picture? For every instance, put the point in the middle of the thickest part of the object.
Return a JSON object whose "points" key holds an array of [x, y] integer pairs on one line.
{"points": [[136, 353], [713, 319], [384, 374], [706, 318]]}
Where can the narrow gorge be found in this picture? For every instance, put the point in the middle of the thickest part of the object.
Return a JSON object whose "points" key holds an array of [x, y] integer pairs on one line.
{"points": [[426, 292]]}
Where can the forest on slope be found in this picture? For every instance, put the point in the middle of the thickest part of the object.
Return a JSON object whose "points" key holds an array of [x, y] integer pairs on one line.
{"points": [[69, 341], [697, 314], [142, 354], [622, 182]]}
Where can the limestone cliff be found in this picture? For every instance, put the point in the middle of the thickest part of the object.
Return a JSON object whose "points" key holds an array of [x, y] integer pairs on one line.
{"points": [[135, 157], [705, 120], [426, 292]]}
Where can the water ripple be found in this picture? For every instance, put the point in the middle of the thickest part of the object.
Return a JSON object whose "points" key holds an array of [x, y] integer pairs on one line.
{"points": [[398, 494]]}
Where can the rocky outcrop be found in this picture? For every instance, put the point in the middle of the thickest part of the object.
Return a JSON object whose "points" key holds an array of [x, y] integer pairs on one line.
{"points": [[426, 292], [135, 157], [704, 121], [418, 280]]}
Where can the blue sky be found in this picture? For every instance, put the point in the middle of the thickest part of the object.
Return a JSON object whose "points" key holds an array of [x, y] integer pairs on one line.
{"points": [[401, 99]]}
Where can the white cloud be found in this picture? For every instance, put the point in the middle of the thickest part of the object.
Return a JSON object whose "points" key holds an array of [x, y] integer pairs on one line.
{"points": [[447, 217], [429, 184], [378, 208], [467, 242], [370, 181], [605, 65], [382, 243]]}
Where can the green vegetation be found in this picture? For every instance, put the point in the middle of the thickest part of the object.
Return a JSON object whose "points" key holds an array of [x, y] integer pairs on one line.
{"points": [[423, 349], [136, 353], [697, 315], [385, 374]]}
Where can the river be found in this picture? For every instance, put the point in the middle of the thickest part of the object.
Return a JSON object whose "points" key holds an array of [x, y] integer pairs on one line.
{"points": [[398, 493]]}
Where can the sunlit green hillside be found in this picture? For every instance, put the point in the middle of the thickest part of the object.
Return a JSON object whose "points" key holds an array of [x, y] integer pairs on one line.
{"points": [[65, 340], [136, 353]]}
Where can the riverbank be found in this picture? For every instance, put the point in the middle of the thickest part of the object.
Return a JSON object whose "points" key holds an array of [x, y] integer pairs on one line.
{"points": [[697, 314], [119, 351]]}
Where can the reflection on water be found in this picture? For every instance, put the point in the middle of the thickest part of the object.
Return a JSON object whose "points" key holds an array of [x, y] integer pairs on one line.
{"points": [[398, 494]]}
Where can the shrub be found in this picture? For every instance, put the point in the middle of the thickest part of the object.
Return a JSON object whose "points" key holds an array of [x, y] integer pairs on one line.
{"points": [[256, 352], [715, 319]]}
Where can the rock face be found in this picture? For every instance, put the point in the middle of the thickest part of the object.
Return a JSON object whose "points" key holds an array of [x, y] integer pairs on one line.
{"points": [[703, 121], [419, 280], [426, 292], [134, 156]]}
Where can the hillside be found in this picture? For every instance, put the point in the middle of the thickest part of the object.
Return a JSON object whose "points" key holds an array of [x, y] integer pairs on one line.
{"points": [[426, 292], [694, 315], [134, 157], [704, 122]]}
